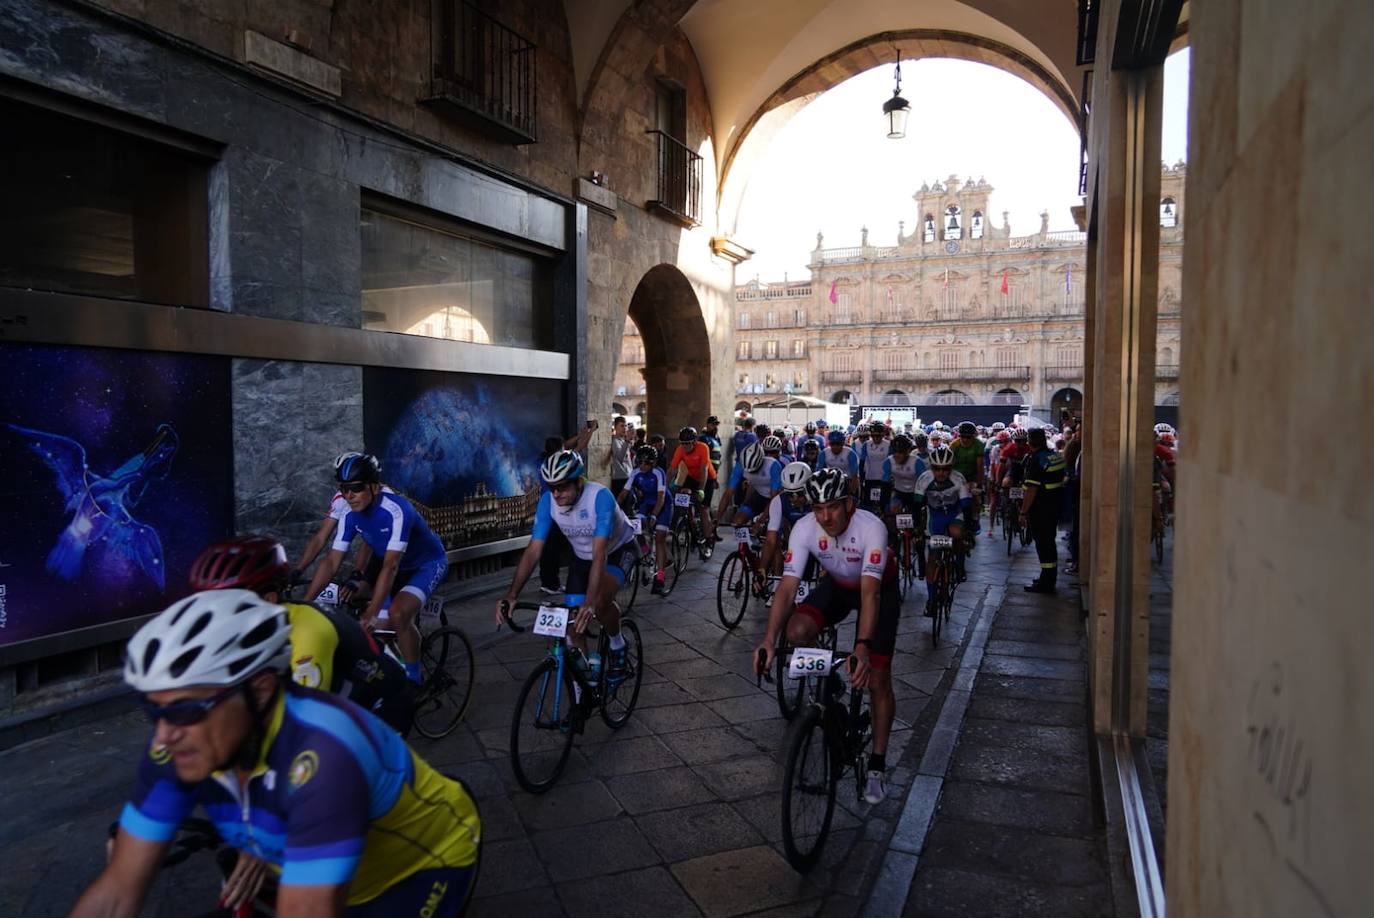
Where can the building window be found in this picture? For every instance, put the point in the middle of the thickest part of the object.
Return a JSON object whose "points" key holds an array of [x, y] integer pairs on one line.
{"points": [[975, 229], [953, 228], [798, 347], [1006, 358], [92, 210], [799, 318], [894, 361], [770, 350], [949, 360], [420, 280], [483, 70], [772, 319], [743, 352], [1168, 213], [928, 234], [744, 320]]}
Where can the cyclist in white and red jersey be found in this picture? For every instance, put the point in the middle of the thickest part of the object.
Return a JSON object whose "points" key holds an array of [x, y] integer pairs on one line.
{"points": [[851, 547]]}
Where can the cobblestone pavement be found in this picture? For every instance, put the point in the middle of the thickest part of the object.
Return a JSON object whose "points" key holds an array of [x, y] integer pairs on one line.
{"points": [[678, 813]]}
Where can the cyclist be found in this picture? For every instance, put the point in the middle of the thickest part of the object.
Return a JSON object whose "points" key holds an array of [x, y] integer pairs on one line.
{"points": [[742, 438], [901, 470], [968, 461], [785, 508], [603, 544], [329, 650], [1011, 459], [365, 565], [873, 453], [809, 436], [651, 485], [944, 493], [761, 470], [1044, 483], [357, 823], [841, 457], [997, 443], [920, 445], [811, 454], [413, 559], [850, 545], [693, 459]]}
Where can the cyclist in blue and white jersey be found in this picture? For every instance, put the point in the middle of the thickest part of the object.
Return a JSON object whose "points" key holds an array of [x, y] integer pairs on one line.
{"points": [[651, 485], [603, 546], [413, 559], [785, 508], [873, 453], [945, 494], [901, 470], [761, 470], [841, 457]]}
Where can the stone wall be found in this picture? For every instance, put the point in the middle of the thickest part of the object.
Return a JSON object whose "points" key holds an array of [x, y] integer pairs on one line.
{"points": [[1270, 732]]}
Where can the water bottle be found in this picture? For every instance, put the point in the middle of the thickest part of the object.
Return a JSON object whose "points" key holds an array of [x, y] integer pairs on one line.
{"points": [[593, 665]]}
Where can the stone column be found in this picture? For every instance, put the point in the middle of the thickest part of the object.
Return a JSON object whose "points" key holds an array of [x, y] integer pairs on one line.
{"points": [[1126, 142]]}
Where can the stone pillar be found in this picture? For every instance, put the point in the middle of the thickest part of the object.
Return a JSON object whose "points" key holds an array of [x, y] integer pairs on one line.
{"points": [[1127, 113]]}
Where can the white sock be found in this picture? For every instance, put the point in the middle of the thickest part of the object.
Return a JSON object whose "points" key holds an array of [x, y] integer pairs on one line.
{"points": [[617, 642]]}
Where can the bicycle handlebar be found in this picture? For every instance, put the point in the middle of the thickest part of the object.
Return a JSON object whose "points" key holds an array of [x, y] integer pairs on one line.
{"points": [[509, 607]]}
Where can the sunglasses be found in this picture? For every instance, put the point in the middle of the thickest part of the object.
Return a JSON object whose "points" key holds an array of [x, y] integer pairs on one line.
{"points": [[353, 487], [185, 713]]}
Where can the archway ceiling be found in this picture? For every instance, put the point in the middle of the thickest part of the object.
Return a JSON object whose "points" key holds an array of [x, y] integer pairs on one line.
{"points": [[747, 49]]}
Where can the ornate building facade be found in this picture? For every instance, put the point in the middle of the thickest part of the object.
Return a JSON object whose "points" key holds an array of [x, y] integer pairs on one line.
{"points": [[959, 311]]}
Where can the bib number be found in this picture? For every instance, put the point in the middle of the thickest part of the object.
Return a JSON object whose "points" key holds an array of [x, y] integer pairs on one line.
{"points": [[809, 661], [429, 615], [941, 541], [803, 589], [637, 526], [329, 596], [742, 535], [682, 499], [904, 521], [875, 494], [1016, 493], [552, 621]]}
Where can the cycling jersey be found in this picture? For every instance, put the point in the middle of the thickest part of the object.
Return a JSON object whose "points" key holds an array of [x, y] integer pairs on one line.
{"points": [[740, 440], [338, 506], [902, 475], [872, 455], [860, 551], [946, 499], [331, 651], [968, 457], [650, 485], [594, 515], [1011, 461], [846, 460], [392, 524], [1164, 454], [697, 460], [766, 482], [332, 782], [713, 448], [781, 509]]}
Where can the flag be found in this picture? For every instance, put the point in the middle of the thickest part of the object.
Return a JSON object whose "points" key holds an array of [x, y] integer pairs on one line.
{"points": [[1005, 290], [1068, 279], [833, 298]]}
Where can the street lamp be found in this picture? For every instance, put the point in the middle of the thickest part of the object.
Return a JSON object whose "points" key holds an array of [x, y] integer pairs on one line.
{"points": [[896, 109]]}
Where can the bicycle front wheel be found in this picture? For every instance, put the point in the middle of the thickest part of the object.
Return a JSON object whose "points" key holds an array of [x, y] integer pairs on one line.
{"points": [[680, 543], [790, 691], [732, 590], [618, 701], [808, 794], [625, 596], [448, 668], [541, 731]]}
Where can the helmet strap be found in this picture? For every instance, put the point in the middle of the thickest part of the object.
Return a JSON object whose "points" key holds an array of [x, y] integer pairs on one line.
{"points": [[248, 753]]}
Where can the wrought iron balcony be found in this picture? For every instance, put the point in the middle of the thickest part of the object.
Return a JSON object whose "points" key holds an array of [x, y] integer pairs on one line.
{"points": [[482, 71], [970, 374], [900, 375], [679, 181], [1166, 371]]}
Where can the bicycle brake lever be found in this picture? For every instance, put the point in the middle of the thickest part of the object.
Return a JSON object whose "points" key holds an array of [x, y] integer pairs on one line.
{"points": [[760, 671]]}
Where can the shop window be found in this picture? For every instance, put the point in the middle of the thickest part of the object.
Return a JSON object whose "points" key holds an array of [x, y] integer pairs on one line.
{"points": [[93, 210], [422, 280]]}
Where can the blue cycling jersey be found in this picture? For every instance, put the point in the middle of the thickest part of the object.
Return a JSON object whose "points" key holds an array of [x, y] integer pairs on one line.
{"points": [[392, 524], [650, 485], [594, 515]]}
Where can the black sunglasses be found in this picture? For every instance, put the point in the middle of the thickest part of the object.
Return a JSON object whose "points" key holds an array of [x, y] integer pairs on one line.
{"points": [[185, 713], [353, 487]]}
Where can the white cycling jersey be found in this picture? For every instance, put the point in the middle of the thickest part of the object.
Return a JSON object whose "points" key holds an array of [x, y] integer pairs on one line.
{"points": [[860, 551], [846, 460], [903, 475], [871, 457]]}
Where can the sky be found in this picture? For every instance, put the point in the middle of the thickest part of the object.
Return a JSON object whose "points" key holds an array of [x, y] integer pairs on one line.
{"points": [[832, 168]]}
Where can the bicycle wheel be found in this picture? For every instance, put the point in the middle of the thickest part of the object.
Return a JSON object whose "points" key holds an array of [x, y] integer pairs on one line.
{"points": [[1009, 532], [732, 589], [625, 596], [539, 741], [706, 545], [447, 664], [680, 543], [1159, 545], [617, 704], [790, 691], [810, 776]]}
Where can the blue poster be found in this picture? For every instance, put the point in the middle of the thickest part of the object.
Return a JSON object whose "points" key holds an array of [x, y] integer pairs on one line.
{"points": [[464, 448], [115, 470]]}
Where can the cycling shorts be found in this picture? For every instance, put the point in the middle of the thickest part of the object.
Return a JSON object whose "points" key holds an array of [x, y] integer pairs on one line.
{"points": [[619, 563], [664, 521], [440, 893], [422, 581], [829, 604], [754, 505]]}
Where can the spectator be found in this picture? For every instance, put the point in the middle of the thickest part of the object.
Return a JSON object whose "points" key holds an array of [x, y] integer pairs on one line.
{"points": [[618, 456]]}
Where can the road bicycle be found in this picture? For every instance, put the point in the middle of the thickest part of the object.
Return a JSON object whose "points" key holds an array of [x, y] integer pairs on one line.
{"points": [[739, 580], [564, 690], [641, 576], [1012, 530], [195, 835], [686, 536], [792, 690], [941, 573], [910, 550], [833, 734]]}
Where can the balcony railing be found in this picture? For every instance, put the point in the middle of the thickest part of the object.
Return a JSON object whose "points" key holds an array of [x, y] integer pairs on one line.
{"points": [[841, 376], [1166, 371], [893, 375], [679, 181], [970, 374], [853, 253], [772, 292], [771, 389], [483, 69], [1066, 372]]}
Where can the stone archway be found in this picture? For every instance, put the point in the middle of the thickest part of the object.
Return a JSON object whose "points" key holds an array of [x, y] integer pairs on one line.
{"points": [[677, 350], [1066, 399], [841, 397]]}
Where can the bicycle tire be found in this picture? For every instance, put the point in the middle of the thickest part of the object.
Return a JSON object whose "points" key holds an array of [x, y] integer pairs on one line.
{"points": [[733, 584], [634, 659], [625, 596], [543, 768], [681, 538], [1009, 528], [789, 700], [808, 745], [1159, 545], [449, 670]]}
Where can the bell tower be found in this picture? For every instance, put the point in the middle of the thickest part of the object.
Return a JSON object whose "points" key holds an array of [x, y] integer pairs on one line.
{"points": [[953, 211]]}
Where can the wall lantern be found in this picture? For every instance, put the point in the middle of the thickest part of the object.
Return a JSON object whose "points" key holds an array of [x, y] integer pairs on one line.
{"points": [[896, 109]]}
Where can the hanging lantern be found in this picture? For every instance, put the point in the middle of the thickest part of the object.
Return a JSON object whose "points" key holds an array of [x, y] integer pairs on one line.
{"points": [[896, 109]]}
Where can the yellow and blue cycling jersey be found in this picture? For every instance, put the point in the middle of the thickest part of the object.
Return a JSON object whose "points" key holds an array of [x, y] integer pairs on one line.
{"points": [[336, 797]]}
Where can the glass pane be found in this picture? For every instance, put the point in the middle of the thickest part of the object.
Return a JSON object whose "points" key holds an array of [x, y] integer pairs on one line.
{"points": [[421, 281]]}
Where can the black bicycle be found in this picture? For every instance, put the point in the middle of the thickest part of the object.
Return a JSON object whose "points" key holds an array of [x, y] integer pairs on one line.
{"points": [[831, 735], [563, 690], [686, 536], [792, 690]]}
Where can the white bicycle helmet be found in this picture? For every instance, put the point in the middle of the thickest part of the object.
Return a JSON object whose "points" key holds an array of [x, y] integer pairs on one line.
{"points": [[217, 637], [752, 458], [941, 457], [564, 465], [827, 485], [772, 444], [795, 475]]}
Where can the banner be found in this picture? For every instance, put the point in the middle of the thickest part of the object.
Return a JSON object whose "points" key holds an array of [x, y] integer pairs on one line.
{"points": [[115, 471]]}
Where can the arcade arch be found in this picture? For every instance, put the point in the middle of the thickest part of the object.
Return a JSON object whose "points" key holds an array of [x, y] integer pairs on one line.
{"points": [[677, 349]]}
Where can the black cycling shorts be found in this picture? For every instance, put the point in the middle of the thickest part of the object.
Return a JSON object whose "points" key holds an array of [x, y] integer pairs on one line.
{"points": [[619, 563], [829, 604]]}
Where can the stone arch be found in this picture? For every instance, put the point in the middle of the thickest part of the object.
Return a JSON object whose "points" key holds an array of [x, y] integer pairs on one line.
{"points": [[677, 349], [950, 397], [1066, 399], [841, 396], [618, 409], [1008, 396], [895, 397]]}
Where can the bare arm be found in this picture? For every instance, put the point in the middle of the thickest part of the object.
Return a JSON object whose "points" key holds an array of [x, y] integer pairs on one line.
{"points": [[122, 885], [324, 573], [311, 901], [317, 542], [390, 564]]}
